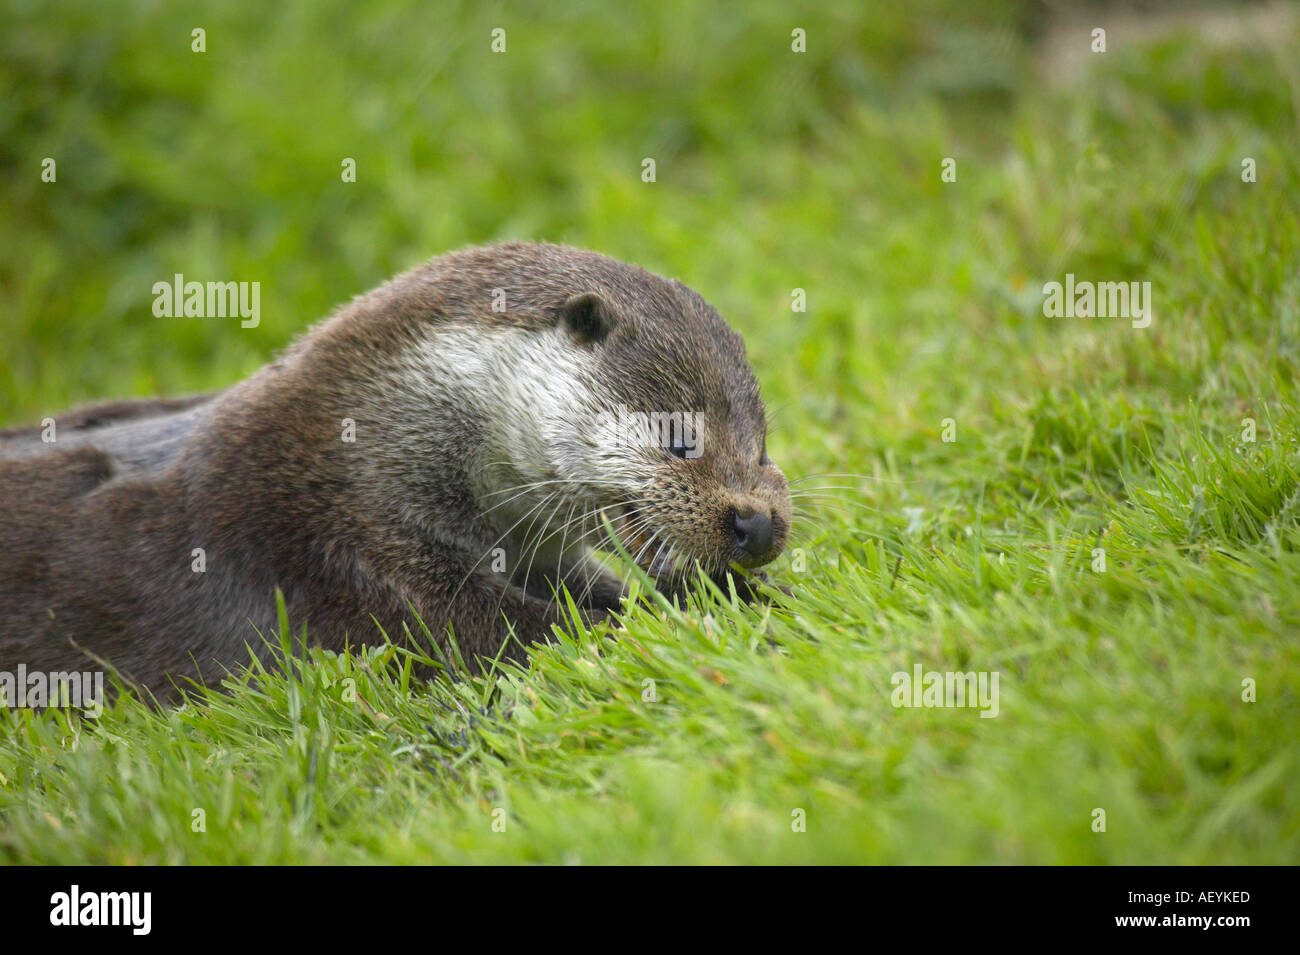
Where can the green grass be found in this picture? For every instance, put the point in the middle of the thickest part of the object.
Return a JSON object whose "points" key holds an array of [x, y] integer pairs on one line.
{"points": [[1120, 689]]}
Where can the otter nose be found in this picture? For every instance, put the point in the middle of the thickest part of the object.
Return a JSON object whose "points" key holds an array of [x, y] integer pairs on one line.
{"points": [[753, 531]]}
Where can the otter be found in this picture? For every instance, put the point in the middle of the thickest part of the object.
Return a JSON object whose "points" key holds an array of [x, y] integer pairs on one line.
{"points": [[454, 444]]}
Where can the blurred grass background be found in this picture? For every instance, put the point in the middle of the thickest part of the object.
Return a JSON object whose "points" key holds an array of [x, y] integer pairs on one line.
{"points": [[775, 171]]}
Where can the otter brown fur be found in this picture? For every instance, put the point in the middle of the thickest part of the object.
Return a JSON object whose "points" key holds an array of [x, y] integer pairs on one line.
{"points": [[469, 486]]}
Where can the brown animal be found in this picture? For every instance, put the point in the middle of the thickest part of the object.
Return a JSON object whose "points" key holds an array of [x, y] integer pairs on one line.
{"points": [[447, 442]]}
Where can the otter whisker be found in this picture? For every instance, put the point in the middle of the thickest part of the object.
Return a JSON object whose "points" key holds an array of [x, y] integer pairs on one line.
{"points": [[595, 511], [636, 528], [524, 580], [663, 564], [564, 528], [508, 500], [818, 495], [584, 482], [644, 547], [528, 487], [847, 474], [564, 539], [490, 547]]}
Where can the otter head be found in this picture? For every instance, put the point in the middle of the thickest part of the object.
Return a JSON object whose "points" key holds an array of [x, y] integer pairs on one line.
{"points": [[636, 402], [563, 390]]}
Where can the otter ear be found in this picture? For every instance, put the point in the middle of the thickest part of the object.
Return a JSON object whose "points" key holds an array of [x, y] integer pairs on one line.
{"points": [[588, 318]]}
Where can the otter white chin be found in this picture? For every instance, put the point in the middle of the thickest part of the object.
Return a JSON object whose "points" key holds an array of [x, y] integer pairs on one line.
{"points": [[446, 443]]}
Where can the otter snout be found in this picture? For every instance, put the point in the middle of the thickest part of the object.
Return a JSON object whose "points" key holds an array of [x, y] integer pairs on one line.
{"points": [[753, 530], [758, 523]]}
